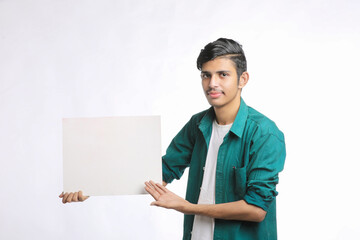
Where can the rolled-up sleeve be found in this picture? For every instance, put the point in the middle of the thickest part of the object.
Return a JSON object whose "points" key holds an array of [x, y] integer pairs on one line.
{"points": [[267, 157]]}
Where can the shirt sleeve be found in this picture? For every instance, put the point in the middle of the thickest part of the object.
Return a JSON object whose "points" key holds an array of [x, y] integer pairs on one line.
{"points": [[178, 154], [267, 157]]}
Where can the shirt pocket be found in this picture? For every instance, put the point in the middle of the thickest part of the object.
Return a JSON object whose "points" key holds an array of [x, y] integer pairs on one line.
{"points": [[240, 182]]}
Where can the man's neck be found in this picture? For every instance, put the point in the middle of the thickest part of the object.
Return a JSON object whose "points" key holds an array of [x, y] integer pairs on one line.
{"points": [[226, 115]]}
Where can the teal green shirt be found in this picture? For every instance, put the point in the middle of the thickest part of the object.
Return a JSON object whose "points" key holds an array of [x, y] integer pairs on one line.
{"points": [[249, 161]]}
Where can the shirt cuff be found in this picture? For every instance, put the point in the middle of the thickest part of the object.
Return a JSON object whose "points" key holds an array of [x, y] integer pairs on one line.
{"points": [[253, 198], [166, 173]]}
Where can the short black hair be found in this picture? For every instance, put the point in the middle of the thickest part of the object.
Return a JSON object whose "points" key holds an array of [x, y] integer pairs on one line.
{"points": [[223, 47]]}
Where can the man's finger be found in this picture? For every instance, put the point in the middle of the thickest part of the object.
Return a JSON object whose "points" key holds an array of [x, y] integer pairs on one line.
{"points": [[151, 190], [154, 203], [159, 190], [162, 187], [82, 197], [159, 204], [64, 197], [75, 197], [69, 197], [150, 186], [61, 195]]}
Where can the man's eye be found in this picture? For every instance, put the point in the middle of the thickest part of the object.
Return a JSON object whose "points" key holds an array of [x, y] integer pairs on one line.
{"points": [[223, 74], [203, 76]]}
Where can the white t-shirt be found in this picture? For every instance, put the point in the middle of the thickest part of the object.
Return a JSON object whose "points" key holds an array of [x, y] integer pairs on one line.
{"points": [[203, 228]]}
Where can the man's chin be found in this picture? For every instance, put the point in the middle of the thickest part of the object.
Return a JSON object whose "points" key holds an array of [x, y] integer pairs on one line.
{"points": [[214, 104]]}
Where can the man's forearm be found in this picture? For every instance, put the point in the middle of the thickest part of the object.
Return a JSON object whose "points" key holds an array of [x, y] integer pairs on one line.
{"points": [[239, 210]]}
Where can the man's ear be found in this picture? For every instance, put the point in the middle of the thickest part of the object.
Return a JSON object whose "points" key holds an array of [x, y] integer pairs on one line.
{"points": [[244, 78]]}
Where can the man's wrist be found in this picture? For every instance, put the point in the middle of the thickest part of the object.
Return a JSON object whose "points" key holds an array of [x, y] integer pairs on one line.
{"points": [[189, 208], [199, 209]]}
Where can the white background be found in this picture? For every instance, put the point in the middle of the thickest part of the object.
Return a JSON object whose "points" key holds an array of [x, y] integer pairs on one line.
{"points": [[114, 58]]}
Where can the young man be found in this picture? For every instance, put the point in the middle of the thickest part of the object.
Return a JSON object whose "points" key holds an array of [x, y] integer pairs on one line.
{"points": [[234, 153]]}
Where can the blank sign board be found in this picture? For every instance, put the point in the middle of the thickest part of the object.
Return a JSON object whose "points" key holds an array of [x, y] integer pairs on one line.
{"points": [[111, 155]]}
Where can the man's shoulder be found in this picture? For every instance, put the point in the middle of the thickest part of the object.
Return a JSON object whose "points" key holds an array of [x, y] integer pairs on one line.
{"points": [[197, 117], [263, 124]]}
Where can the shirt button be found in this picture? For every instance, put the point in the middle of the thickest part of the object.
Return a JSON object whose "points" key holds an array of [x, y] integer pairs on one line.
{"points": [[203, 168]]}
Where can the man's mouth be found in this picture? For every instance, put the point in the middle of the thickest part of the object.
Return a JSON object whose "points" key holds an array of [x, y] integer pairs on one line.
{"points": [[214, 93]]}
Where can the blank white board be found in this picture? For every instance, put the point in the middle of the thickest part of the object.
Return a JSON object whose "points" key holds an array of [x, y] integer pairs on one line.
{"points": [[111, 155]]}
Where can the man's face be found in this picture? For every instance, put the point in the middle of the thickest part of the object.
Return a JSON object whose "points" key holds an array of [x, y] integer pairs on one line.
{"points": [[220, 83]]}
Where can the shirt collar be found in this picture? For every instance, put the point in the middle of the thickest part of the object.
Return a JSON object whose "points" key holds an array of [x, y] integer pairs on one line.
{"points": [[240, 119], [205, 125], [237, 128]]}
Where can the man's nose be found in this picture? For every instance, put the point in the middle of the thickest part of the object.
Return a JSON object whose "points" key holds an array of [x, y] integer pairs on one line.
{"points": [[214, 81]]}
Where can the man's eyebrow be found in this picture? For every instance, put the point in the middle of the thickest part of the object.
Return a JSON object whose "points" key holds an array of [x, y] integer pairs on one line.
{"points": [[220, 71], [203, 73]]}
